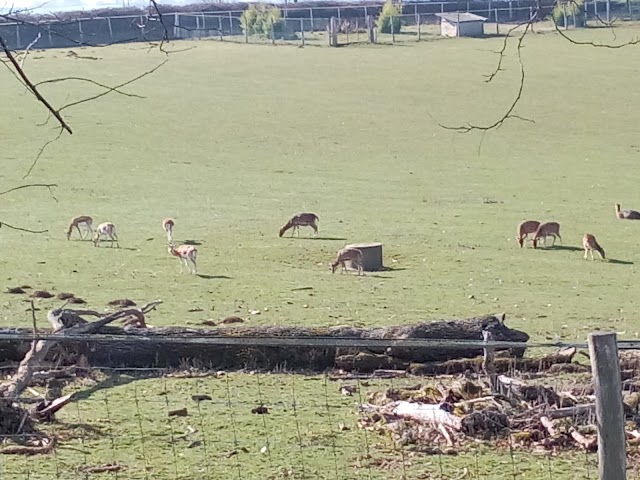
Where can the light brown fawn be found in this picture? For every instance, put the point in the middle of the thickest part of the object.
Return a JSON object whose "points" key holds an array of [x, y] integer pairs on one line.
{"points": [[548, 229], [525, 228], [626, 214], [589, 243], [187, 254], [301, 220], [106, 229], [345, 255], [83, 220]]}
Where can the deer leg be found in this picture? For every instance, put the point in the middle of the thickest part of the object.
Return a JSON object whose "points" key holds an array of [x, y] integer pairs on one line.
{"points": [[315, 230], [560, 238], [586, 252]]}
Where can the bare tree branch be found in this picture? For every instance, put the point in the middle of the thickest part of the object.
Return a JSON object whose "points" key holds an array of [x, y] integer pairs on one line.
{"points": [[26, 50], [635, 41], [88, 80], [31, 86], [48, 186], [5, 224]]}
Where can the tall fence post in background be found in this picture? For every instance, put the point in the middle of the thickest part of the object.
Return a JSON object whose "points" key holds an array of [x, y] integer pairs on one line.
{"points": [[311, 18], [246, 34], [333, 32], [489, 10], [230, 23], [339, 17], [273, 34], [510, 10], [393, 30], [419, 25], [416, 13], [605, 369], [82, 34], [442, 8], [302, 30], [608, 4], [109, 27], [176, 25], [531, 18], [629, 9], [497, 23], [564, 16], [220, 29], [357, 31], [18, 42], [595, 9], [370, 29]]}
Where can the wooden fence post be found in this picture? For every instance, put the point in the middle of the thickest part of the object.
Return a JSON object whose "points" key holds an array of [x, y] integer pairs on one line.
{"points": [[333, 32], [302, 30], [311, 19], [605, 368], [497, 23], [419, 23], [273, 34], [393, 33]]}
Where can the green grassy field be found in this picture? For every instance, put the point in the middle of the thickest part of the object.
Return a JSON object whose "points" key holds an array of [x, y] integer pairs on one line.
{"points": [[231, 140]]}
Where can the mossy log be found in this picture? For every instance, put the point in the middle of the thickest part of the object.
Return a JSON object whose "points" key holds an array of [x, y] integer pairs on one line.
{"points": [[167, 354]]}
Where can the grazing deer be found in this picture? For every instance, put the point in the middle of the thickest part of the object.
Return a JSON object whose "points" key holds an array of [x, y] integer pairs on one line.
{"points": [[525, 228], [345, 255], [167, 225], [106, 229], [186, 254], [84, 221], [589, 243], [548, 229], [301, 220], [627, 214]]}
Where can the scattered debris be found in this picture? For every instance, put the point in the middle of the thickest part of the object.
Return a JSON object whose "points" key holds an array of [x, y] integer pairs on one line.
{"points": [[108, 467], [16, 290], [255, 312], [181, 412], [64, 296], [348, 390], [195, 309], [41, 294], [123, 302], [77, 300], [194, 444], [209, 323], [200, 398], [261, 410], [233, 320]]}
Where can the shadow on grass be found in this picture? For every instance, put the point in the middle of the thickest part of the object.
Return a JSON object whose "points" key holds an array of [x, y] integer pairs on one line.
{"points": [[213, 277], [192, 242], [566, 248], [321, 238], [619, 262]]}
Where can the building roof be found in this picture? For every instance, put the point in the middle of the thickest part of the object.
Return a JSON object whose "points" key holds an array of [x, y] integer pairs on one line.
{"points": [[461, 17]]}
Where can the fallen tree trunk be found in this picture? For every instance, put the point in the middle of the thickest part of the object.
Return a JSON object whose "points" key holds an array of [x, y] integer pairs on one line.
{"points": [[147, 353]]}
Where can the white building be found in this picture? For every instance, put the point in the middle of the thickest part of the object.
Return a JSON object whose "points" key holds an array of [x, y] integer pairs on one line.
{"points": [[461, 24]]}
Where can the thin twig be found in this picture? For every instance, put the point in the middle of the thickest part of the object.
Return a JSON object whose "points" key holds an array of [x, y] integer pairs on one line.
{"points": [[88, 80], [5, 224], [31, 185], [26, 50]]}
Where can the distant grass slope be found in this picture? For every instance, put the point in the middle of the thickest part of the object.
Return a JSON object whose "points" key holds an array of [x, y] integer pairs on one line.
{"points": [[232, 139]]}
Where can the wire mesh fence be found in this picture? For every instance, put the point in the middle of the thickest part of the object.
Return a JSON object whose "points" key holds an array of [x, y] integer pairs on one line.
{"points": [[299, 26], [186, 423]]}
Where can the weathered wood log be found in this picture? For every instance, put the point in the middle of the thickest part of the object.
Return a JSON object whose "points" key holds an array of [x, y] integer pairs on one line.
{"points": [[152, 353]]}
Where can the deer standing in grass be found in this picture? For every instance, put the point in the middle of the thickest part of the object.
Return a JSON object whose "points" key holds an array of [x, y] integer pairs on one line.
{"points": [[548, 229], [589, 243], [525, 229], [345, 255], [106, 229], [301, 220], [187, 254], [167, 225], [626, 214], [76, 222]]}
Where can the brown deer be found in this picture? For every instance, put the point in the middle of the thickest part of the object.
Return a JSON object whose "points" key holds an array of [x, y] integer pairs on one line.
{"points": [[187, 254], [82, 220], [345, 255], [589, 243], [525, 228], [626, 214], [548, 229], [301, 220], [106, 229]]}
